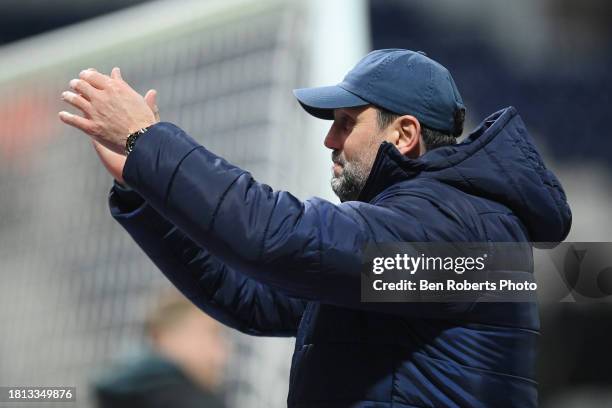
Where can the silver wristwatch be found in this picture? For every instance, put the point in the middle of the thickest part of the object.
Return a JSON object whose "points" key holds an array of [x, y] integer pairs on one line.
{"points": [[130, 143]]}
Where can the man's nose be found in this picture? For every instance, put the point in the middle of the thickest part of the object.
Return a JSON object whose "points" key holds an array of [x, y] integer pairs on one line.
{"points": [[332, 140]]}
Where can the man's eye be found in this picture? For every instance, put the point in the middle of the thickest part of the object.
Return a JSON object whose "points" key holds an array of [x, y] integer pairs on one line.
{"points": [[344, 123]]}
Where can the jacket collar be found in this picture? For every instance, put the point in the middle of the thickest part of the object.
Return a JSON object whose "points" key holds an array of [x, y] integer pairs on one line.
{"points": [[497, 161], [389, 167]]}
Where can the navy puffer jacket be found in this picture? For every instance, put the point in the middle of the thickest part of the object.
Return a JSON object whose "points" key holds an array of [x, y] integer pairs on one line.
{"points": [[268, 264]]}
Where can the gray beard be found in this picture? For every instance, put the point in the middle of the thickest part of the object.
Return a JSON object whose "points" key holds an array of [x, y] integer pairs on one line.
{"points": [[351, 181]]}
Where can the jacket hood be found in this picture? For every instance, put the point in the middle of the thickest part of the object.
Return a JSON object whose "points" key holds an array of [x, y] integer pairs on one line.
{"points": [[497, 161]]}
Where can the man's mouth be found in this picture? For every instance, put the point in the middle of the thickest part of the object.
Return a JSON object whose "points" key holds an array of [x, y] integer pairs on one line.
{"points": [[336, 168], [338, 164]]}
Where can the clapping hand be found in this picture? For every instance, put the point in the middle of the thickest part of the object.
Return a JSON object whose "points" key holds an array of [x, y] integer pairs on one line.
{"points": [[111, 109]]}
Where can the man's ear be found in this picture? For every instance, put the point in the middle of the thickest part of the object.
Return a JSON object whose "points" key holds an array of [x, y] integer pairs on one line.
{"points": [[408, 141]]}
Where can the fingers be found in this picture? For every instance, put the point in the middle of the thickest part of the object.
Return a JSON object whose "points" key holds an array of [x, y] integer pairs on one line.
{"points": [[83, 88], [151, 100], [79, 122], [96, 145], [77, 101], [116, 73], [94, 78], [113, 162], [101, 149]]}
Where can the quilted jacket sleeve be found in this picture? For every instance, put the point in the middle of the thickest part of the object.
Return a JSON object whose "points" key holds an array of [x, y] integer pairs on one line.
{"points": [[229, 296], [306, 249]]}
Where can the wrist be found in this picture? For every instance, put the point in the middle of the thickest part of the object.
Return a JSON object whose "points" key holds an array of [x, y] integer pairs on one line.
{"points": [[132, 138], [126, 198]]}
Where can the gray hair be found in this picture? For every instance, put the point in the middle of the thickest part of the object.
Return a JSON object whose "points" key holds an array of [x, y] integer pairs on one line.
{"points": [[432, 138]]}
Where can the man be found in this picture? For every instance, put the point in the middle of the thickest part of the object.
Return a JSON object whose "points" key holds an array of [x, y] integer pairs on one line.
{"points": [[266, 263], [183, 367]]}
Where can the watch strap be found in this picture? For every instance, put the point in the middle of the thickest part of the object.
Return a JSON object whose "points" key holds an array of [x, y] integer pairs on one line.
{"points": [[130, 142]]}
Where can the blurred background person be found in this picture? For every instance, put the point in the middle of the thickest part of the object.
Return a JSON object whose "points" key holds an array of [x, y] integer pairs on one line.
{"points": [[183, 368]]}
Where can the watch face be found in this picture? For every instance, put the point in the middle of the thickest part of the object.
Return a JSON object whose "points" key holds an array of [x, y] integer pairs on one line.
{"points": [[131, 140], [129, 145]]}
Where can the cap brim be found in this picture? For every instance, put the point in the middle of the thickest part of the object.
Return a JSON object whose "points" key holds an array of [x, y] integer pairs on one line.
{"points": [[320, 102]]}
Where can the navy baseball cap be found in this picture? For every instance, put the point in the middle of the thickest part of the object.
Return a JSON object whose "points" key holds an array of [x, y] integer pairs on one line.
{"points": [[401, 81]]}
